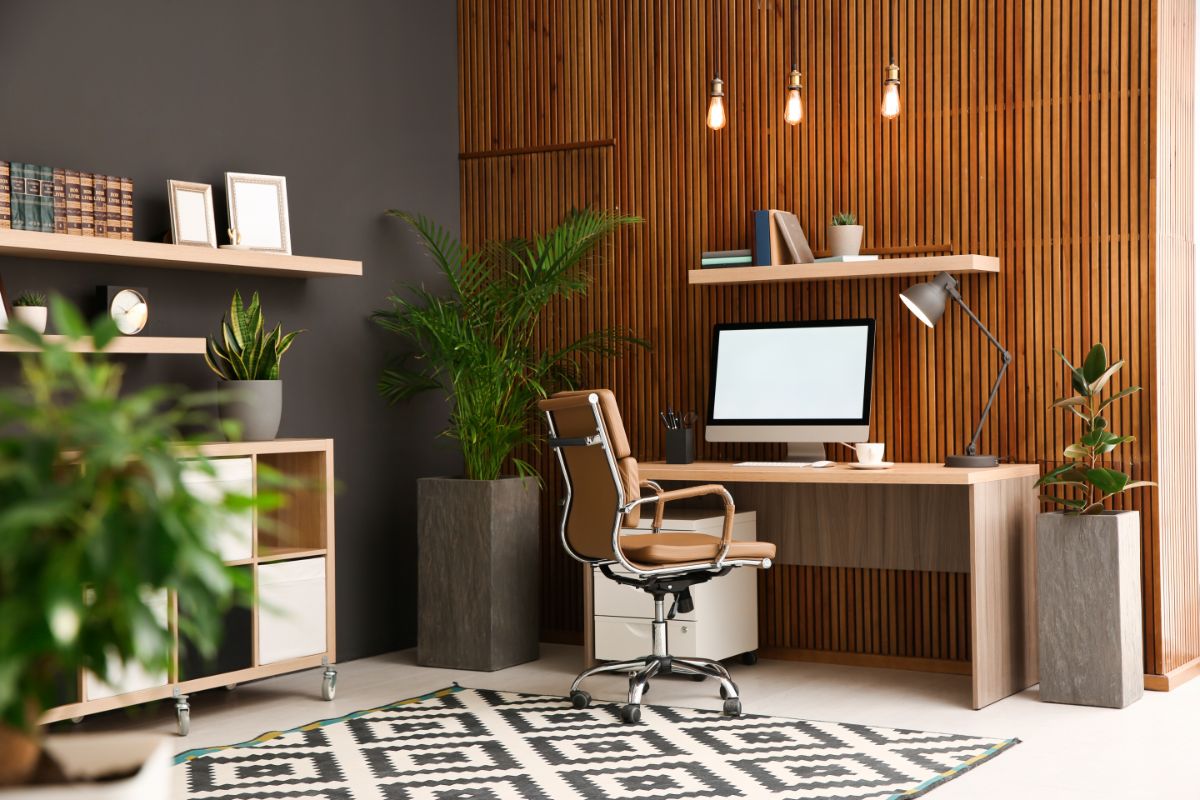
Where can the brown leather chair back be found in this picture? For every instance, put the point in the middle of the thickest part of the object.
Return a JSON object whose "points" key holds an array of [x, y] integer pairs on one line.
{"points": [[596, 494]]}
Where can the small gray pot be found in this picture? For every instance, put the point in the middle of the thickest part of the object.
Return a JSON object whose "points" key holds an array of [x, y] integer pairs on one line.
{"points": [[255, 405]]}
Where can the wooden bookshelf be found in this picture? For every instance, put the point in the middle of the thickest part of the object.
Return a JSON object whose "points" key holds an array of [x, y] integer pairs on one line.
{"points": [[131, 345], [61, 247], [881, 268]]}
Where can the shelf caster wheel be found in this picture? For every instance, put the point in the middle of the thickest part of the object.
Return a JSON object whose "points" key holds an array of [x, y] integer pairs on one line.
{"points": [[750, 658], [229, 687], [183, 717], [631, 714], [580, 699], [732, 706], [329, 684], [76, 720]]}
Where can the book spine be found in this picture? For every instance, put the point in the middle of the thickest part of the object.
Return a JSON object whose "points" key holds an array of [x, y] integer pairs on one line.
{"points": [[116, 228], [60, 200], [126, 208], [727, 260], [87, 204], [5, 196], [31, 199], [744, 253], [16, 181], [46, 199], [100, 205], [71, 187], [762, 237]]}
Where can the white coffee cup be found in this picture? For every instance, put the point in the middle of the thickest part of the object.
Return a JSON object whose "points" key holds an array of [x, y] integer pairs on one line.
{"points": [[869, 452]]}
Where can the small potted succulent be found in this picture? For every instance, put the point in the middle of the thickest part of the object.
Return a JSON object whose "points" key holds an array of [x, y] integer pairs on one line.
{"points": [[246, 358], [1088, 556], [29, 309], [845, 234]]}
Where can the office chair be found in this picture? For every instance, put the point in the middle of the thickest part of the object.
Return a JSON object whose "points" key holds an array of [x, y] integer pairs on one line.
{"points": [[604, 494]]}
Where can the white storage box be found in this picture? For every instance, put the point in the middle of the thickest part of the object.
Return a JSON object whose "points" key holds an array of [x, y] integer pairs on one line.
{"points": [[291, 612], [234, 535], [126, 678]]}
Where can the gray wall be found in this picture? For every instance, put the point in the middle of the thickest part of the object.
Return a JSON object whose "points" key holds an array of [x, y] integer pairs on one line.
{"points": [[356, 103]]}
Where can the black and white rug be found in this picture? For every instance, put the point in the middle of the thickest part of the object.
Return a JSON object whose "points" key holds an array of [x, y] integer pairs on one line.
{"points": [[471, 744]]}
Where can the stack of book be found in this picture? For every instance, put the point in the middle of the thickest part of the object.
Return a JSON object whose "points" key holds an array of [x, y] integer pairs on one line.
{"points": [[55, 200], [726, 258]]}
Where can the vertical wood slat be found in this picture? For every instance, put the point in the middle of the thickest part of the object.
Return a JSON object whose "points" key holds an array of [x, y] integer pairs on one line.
{"points": [[1025, 134]]}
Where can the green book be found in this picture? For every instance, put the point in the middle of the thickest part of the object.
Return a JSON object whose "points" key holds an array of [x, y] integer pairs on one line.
{"points": [[16, 178], [46, 199]]}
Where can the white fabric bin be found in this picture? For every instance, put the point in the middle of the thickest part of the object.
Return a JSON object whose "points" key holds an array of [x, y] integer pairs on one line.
{"points": [[126, 678], [291, 609], [234, 534]]}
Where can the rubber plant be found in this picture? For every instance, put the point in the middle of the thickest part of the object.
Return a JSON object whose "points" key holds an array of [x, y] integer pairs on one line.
{"points": [[1091, 483], [247, 351], [477, 340], [95, 519]]}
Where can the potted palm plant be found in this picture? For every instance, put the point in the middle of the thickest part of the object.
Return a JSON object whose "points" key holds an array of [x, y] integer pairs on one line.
{"points": [[246, 358], [478, 535], [1088, 556], [95, 522]]}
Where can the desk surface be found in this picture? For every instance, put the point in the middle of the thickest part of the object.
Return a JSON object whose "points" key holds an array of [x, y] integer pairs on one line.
{"points": [[726, 472]]}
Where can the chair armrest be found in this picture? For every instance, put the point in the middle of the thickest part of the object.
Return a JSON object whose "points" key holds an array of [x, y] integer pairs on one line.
{"points": [[660, 498]]}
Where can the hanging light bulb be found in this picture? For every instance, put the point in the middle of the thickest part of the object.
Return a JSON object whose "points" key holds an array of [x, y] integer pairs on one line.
{"points": [[891, 92], [793, 110], [716, 103]]}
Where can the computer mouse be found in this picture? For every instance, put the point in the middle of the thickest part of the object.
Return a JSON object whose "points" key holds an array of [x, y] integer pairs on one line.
{"points": [[819, 464]]}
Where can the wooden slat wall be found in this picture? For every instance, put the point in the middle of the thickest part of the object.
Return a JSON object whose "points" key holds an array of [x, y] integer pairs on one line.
{"points": [[1027, 133]]}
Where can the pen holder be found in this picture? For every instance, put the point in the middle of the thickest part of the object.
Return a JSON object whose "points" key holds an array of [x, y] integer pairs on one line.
{"points": [[681, 446]]}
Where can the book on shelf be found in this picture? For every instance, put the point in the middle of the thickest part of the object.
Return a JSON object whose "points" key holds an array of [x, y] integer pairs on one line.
{"points": [[16, 188], [5, 194], [60, 200], [768, 244], [731, 261], [115, 226], [126, 208], [100, 205], [71, 189], [793, 237], [746, 252], [846, 259], [87, 204], [46, 198]]}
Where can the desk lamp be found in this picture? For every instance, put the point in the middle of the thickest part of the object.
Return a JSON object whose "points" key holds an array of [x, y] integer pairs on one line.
{"points": [[927, 301]]}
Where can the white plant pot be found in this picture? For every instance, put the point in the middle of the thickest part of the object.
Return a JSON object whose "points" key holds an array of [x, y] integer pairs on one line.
{"points": [[845, 240], [33, 316], [88, 757]]}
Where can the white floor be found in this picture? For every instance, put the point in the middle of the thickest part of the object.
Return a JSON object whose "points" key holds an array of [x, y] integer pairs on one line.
{"points": [[1149, 750]]}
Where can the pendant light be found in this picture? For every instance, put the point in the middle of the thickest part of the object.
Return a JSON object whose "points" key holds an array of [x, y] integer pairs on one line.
{"points": [[890, 108], [716, 88], [793, 107]]}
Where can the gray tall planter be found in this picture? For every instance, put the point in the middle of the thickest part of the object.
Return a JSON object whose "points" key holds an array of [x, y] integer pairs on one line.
{"points": [[477, 572], [1090, 608]]}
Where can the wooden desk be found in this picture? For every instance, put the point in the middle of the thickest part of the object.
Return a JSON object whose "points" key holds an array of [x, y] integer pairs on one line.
{"points": [[912, 517]]}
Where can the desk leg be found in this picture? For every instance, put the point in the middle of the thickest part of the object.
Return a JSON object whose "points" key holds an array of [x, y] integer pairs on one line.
{"points": [[589, 619], [1003, 589]]}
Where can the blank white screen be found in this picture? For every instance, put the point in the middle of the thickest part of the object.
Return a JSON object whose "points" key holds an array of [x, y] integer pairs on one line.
{"points": [[791, 373]]}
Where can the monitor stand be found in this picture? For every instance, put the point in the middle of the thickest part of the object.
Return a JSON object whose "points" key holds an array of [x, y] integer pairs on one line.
{"points": [[806, 452]]}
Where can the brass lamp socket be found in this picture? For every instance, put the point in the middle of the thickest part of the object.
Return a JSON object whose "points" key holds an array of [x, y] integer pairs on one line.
{"points": [[893, 74], [794, 80], [716, 88]]}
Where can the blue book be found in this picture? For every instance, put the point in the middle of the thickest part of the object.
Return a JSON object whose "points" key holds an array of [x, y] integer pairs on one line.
{"points": [[762, 237]]}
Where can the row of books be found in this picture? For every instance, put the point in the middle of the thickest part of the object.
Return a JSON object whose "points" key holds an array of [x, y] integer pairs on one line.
{"points": [[778, 239], [55, 200], [726, 258]]}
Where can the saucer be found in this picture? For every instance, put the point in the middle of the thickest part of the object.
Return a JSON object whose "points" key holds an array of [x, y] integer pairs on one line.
{"points": [[875, 465]]}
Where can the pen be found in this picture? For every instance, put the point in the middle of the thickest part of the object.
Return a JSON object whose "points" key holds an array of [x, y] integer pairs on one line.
{"points": [[666, 422]]}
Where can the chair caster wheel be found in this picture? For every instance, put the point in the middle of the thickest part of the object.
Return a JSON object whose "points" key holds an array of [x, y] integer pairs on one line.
{"points": [[732, 706], [750, 658], [697, 678], [580, 699], [631, 714]]}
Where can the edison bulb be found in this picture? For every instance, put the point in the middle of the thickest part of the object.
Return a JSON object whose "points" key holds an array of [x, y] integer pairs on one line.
{"points": [[891, 100], [716, 112], [793, 111]]}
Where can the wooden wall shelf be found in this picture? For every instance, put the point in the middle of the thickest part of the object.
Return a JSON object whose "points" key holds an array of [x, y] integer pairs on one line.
{"points": [[61, 247], [168, 345], [882, 268]]}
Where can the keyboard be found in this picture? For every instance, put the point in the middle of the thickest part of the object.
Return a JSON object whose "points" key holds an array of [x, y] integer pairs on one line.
{"points": [[793, 464]]}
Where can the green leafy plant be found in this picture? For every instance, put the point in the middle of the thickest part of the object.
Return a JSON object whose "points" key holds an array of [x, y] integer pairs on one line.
{"points": [[477, 342], [1093, 482], [246, 351], [95, 519], [844, 218], [30, 299]]}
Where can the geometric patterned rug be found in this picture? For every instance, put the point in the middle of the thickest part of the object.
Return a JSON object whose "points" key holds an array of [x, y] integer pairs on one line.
{"points": [[471, 744]]}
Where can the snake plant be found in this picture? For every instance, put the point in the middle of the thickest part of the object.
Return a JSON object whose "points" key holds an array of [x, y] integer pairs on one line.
{"points": [[246, 351]]}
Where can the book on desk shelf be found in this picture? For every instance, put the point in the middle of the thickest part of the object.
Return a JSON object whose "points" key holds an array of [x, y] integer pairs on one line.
{"points": [[779, 239], [5, 196]]}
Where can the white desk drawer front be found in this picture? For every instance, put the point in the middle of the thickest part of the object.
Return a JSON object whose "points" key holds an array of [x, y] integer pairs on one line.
{"points": [[233, 535], [622, 638], [291, 613]]}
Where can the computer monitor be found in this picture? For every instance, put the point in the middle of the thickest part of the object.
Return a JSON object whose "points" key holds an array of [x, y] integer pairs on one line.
{"points": [[804, 383]]}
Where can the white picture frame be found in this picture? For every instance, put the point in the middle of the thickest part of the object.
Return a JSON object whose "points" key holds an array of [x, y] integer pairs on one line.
{"points": [[258, 211], [192, 218]]}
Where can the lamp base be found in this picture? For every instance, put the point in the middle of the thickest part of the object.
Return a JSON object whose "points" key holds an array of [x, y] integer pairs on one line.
{"points": [[972, 462]]}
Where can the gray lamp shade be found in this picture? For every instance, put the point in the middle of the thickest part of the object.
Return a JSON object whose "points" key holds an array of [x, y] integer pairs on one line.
{"points": [[927, 301]]}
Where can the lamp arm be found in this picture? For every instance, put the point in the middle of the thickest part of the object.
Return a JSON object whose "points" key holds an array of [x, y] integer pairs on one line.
{"points": [[1005, 360]]}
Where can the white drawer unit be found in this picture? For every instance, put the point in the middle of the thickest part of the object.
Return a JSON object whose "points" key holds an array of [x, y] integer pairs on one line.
{"points": [[291, 609], [724, 622], [234, 535]]}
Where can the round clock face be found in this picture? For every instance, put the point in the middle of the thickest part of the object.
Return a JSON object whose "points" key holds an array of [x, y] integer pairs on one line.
{"points": [[130, 311]]}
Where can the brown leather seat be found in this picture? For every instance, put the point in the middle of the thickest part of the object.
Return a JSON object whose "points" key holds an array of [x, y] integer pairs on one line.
{"points": [[665, 548]]}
